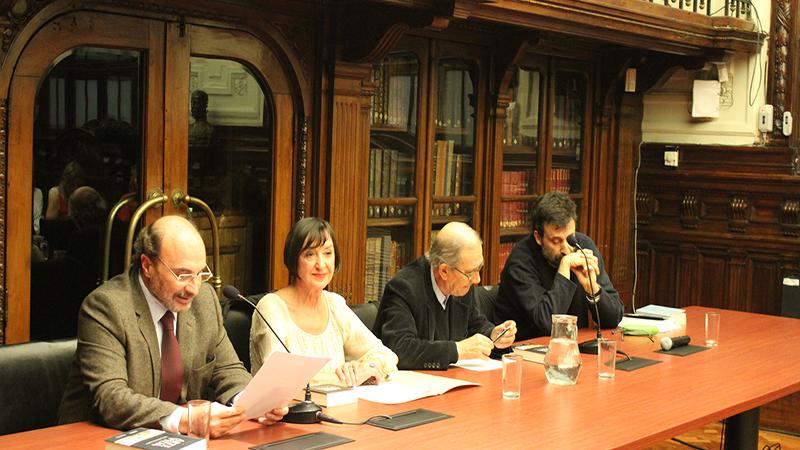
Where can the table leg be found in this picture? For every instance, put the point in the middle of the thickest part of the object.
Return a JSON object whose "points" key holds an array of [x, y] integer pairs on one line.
{"points": [[741, 430]]}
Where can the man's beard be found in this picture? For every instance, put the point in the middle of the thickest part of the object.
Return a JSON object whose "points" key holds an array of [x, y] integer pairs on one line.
{"points": [[554, 259]]}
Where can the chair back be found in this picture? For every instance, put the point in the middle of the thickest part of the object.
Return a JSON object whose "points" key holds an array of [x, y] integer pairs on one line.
{"points": [[33, 377], [237, 325], [367, 312], [485, 300]]}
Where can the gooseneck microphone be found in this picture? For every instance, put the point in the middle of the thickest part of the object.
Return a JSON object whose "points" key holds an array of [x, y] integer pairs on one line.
{"points": [[668, 343], [303, 412], [590, 346]]}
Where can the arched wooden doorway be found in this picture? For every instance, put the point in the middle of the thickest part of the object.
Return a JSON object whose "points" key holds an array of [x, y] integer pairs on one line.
{"points": [[175, 56]]}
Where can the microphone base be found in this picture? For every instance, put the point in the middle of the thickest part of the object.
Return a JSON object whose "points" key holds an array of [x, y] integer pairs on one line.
{"points": [[303, 412], [588, 347]]}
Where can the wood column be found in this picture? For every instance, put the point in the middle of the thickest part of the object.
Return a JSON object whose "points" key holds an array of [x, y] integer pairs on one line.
{"points": [[348, 168]]}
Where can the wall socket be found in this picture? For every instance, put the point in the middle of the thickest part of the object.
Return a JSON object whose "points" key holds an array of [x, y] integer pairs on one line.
{"points": [[671, 156], [765, 119]]}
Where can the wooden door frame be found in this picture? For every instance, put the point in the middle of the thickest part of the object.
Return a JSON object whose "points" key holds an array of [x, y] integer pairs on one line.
{"points": [[28, 61]]}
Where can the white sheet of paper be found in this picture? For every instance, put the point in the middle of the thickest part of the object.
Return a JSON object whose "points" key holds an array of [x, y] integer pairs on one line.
{"points": [[277, 381], [406, 385], [479, 365], [663, 325]]}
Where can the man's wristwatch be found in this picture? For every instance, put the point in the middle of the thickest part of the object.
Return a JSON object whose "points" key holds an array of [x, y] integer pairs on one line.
{"points": [[593, 298]]}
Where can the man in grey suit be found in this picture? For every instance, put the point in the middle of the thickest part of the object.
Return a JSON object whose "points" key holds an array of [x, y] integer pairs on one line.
{"points": [[129, 335]]}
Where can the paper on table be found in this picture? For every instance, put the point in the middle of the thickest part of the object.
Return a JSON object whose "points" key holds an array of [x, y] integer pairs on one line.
{"points": [[277, 381], [479, 365], [405, 386], [662, 325]]}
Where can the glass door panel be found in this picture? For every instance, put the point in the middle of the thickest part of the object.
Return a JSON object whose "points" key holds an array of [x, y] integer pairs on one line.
{"points": [[230, 165], [87, 157], [392, 191], [568, 128], [454, 145]]}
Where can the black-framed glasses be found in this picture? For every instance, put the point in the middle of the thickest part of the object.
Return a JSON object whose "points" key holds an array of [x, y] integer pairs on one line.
{"points": [[203, 275], [469, 275]]}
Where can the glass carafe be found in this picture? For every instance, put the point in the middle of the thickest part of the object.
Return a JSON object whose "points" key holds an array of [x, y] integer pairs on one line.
{"points": [[562, 363]]}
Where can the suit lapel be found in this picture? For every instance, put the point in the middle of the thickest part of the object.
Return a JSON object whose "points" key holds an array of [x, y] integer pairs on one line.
{"points": [[148, 332]]}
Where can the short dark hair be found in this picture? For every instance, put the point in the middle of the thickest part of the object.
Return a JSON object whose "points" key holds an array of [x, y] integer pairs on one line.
{"points": [[307, 233], [148, 243], [555, 208]]}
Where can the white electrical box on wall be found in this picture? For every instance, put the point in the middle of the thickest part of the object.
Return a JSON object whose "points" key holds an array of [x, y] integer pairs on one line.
{"points": [[787, 123], [765, 119]]}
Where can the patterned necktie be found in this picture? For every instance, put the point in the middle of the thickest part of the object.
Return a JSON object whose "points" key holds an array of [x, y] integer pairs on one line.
{"points": [[171, 365]]}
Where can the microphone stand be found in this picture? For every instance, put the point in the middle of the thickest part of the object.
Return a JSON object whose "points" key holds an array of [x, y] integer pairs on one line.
{"points": [[303, 412], [589, 347]]}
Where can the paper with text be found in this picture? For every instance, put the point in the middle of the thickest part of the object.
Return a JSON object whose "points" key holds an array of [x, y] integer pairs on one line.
{"points": [[277, 381], [405, 386], [479, 365]]}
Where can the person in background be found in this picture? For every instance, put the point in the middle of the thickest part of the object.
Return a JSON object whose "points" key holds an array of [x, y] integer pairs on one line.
{"points": [[428, 315], [152, 339], [544, 275], [312, 321], [58, 196]]}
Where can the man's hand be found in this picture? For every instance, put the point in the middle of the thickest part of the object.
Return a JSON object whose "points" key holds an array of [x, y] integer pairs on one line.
{"points": [[476, 346], [506, 339], [273, 416], [576, 263], [225, 418]]}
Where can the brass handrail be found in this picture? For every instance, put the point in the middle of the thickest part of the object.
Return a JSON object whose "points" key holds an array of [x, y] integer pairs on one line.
{"points": [[156, 199], [179, 197], [107, 241]]}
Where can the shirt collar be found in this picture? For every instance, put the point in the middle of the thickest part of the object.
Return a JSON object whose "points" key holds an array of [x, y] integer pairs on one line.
{"points": [[438, 292]]}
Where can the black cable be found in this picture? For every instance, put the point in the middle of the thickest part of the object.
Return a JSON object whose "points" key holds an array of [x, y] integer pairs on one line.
{"points": [[326, 418], [687, 444]]}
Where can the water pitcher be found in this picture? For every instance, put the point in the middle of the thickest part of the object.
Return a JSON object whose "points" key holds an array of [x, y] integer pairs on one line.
{"points": [[562, 363]]}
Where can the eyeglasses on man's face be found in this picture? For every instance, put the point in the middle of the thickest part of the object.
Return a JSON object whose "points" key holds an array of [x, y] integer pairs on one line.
{"points": [[203, 275], [469, 275]]}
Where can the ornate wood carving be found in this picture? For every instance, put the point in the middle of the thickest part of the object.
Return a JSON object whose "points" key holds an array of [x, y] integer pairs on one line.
{"points": [[509, 49], [690, 211], [645, 207], [301, 170], [3, 173], [387, 24], [790, 218], [297, 34], [15, 19], [781, 54], [738, 214], [795, 161]]}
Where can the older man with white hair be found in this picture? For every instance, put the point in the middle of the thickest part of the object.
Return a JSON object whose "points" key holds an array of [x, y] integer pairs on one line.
{"points": [[427, 315]]}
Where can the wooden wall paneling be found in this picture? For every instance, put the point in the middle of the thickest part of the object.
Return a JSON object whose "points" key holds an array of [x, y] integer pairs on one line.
{"points": [[765, 283], [492, 189], [176, 110], [709, 280], [689, 283], [664, 276], [349, 163]]}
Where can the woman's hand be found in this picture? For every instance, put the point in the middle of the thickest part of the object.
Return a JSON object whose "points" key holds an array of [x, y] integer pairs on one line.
{"points": [[356, 373]]}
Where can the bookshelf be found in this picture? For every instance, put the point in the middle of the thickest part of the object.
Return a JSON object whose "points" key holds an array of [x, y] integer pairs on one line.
{"points": [[544, 133]]}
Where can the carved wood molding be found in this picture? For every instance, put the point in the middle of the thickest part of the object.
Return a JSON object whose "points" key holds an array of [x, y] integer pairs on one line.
{"points": [[790, 218], [690, 211], [3, 177], [302, 164], [781, 52], [14, 20], [386, 25], [738, 214], [645, 207], [508, 52]]}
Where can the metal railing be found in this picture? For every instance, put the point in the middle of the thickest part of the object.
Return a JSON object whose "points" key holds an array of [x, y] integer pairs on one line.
{"points": [[730, 8]]}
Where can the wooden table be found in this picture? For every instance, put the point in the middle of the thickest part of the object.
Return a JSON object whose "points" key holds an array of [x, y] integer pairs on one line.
{"points": [[757, 361]]}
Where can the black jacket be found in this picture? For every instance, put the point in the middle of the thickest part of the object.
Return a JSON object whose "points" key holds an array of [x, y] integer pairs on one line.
{"points": [[531, 290], [406, 319]]}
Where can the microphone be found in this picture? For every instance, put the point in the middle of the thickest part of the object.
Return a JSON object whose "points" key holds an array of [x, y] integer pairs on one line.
{"points": [[303, 412], [668, 343], [589, 347]]}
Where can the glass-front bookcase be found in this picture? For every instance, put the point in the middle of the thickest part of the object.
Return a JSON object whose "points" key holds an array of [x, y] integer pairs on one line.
{"points": [[392, 170], [544, 137], [520, 176]]}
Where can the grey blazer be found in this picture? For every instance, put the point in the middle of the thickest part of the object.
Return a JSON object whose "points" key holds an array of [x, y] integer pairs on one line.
{"points": [[115, 378]]}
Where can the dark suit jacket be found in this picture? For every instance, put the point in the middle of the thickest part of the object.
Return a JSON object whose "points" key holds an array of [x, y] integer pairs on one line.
{"points": [[531, 290], [115, 378], [406, 319]]}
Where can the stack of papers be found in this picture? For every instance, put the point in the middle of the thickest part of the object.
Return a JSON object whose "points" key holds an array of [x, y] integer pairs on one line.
{"points": [[406, 385]]}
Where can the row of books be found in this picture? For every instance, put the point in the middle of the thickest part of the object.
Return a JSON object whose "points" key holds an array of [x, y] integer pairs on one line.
{"points": [[385, 256], [514, 215], [395, 100], [454, 108], [559, 180], [518, 182], [502, 252], [452, 174], [391, 174]]}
